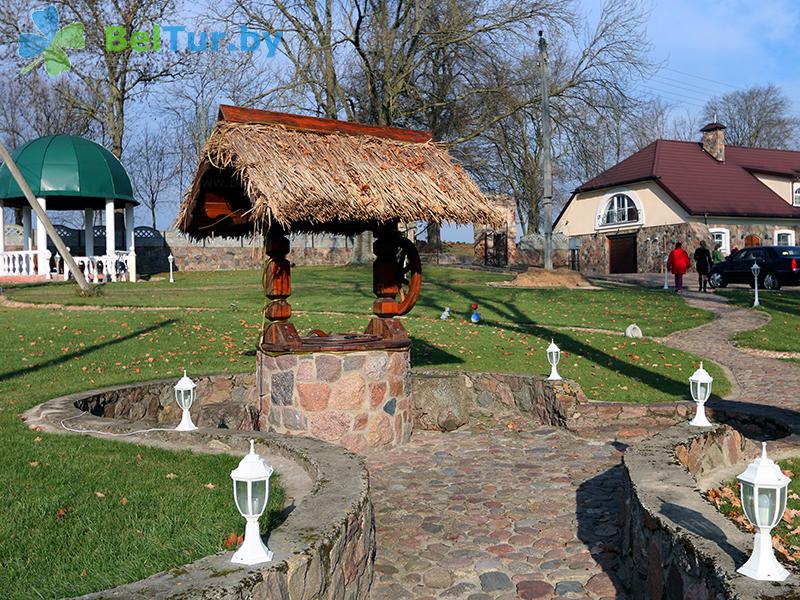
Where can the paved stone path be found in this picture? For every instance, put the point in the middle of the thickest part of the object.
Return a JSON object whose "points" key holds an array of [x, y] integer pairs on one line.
{"points": [[495, 513], [757, 379], [492, 513]]}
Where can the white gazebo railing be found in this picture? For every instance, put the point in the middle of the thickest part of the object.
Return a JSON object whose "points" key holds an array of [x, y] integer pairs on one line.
{"points": [[119, 267], [18, 263]]}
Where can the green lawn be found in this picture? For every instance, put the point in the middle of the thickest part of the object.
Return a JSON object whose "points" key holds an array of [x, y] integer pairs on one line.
{"points": [[96, 542], [782, 332], [79, 514]]}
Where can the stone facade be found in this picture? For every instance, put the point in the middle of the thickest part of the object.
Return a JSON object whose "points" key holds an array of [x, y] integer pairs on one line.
{"points": [[653, 243], [356, 399]]}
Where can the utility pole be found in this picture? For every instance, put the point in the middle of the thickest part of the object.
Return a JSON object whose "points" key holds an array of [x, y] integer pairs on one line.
{"points": [[43, 220], [547, 167]]}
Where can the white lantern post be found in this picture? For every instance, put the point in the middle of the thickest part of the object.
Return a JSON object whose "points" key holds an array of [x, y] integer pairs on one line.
{"points": [[763, 488], [171, 260], [755, 270], [251, 492], [666, 273], [184, 395], [700, 387], [553, 356]]}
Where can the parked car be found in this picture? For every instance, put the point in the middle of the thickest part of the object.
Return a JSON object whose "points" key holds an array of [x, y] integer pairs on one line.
{"points": [[780, 265]]}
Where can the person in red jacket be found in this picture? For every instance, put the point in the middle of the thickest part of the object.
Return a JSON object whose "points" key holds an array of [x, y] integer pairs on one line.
{"points": [[677, 264]]}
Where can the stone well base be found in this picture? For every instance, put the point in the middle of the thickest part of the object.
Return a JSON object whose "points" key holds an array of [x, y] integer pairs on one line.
{"points": [[355, 399]]}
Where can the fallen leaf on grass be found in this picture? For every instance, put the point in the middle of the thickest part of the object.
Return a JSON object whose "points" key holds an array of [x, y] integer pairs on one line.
{"points": [[123, 501], [61, 513], [100, 494], [37, 439], [209, 486], [171, 476], [34, 463], [232, 541], [84, 573]]}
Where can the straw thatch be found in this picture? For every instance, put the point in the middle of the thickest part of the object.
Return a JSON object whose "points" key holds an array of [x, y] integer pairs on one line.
{"points": [[333, 182]]}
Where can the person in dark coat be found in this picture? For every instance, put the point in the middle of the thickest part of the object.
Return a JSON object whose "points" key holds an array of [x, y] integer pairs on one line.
{"points": [[702, 261], [677, 264]]}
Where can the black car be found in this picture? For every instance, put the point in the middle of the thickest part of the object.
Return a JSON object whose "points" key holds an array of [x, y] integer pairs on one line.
{"points": [[780, 265]]}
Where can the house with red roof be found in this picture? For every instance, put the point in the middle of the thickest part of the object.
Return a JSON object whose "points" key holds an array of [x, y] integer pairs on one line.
{"points": [[625, 219]]}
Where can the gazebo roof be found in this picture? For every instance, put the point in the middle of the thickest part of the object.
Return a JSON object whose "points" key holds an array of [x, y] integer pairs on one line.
{"points": [[71, 172], [323, 175]]}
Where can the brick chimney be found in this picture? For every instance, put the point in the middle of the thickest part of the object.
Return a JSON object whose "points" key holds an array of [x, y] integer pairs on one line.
{"points": [[714, 140]]}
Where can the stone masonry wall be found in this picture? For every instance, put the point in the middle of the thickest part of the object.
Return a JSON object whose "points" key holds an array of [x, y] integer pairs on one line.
{"points": [[653, 243], [675, 544], [222, 401], [355, 399]]}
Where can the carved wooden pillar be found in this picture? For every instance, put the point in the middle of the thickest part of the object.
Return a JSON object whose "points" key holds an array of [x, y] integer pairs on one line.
{"points": [[386, 277], [279, 332]]}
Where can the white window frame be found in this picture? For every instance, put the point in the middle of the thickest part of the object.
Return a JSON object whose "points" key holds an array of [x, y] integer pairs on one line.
{"points": [[789, 232], [601, 211], [796, 195], [726, 238]]}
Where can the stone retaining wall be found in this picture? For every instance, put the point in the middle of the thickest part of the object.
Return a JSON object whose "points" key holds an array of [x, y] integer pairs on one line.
{"points": [[675, 544], [324, 549], [355, 399]]}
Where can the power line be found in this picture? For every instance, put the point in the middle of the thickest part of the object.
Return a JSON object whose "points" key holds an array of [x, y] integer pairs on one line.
{"points": [[699, 77], [687, 86], [687, 99], [674, 99]]}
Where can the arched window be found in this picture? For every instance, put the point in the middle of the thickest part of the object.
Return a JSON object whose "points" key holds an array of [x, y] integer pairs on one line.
{"points": [[796, 199], [620, 209]]}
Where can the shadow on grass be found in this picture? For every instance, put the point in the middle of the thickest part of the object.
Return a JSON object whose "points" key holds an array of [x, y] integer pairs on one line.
{"points": [[425, 355], [83, 351]]}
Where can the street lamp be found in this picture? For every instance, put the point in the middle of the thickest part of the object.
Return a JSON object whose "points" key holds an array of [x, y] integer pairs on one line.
{"points": [[171, 260], [553, 356], [756, 270], [763, 488], [700, 387], [184, 396], [251, 492]]}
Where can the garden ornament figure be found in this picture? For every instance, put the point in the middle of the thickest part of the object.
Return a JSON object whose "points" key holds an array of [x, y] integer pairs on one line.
{"points": [[476, 316], [445, 313]]}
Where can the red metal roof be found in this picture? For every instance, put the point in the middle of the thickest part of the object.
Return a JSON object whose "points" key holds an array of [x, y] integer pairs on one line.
{"points": [[702, 185]]}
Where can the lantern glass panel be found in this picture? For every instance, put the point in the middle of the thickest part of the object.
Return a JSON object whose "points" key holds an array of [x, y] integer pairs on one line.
{"points": [[259, 499], [703, 391], [747, 501], [781, 503], [240, 495], [552, 358], [694, 390], [188, 398], [767, 505]]}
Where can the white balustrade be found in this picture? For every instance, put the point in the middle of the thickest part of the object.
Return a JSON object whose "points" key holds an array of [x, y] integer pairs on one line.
{"points": [[103, 268], [18, 263]]}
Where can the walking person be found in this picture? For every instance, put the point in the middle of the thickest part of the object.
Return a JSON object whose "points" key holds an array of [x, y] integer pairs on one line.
{"points": [[716, 255], [677, 264], [702, 262]]}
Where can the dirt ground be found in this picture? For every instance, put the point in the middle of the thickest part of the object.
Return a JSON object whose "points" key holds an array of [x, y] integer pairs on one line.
{"points": [[536, 277]]}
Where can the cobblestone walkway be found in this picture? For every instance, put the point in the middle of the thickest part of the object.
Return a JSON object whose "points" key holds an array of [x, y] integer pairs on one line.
{"points": [[747, 372], [495, 513]]}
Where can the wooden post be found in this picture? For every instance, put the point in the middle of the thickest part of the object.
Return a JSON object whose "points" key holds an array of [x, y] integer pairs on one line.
{"points": [[279, 333], [386, 276]]}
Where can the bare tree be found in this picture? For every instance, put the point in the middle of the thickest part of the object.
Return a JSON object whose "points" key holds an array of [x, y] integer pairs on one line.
{"points": [[759, 116], [152, 171], [109, 79]]}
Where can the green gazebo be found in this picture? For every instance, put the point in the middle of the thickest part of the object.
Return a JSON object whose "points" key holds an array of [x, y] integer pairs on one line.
{"points": [[68, 172]]}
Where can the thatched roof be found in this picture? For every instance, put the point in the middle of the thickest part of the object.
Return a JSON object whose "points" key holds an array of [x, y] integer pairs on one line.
{"points": [[309, 174]]}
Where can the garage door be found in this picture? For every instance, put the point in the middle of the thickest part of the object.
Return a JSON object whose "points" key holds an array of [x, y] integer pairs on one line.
{"points": [[622, 254]]}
